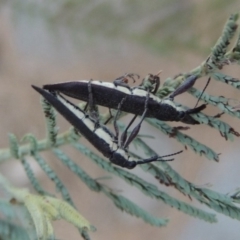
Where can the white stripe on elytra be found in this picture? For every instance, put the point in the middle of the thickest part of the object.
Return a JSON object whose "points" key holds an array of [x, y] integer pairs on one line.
{"points": [[136, 92], [133, 91], [100, 132], [76, 111], [124, 154], [171, 103], [107, 138]]}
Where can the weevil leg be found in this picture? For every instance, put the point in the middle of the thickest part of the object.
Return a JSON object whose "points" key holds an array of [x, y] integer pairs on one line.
{"points": [[131, 75], [123, 80], [110, 117], [92, 107], [116, 118], [158, 158], [135, 131], [188, 83], [124, 134], [85, 107]]}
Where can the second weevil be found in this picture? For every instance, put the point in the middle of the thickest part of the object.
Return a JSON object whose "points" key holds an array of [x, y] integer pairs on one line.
{"points": [[99, 135], [109, 94]]}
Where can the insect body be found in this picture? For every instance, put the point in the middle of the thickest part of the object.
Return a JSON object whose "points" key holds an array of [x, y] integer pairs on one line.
{"points": [[97, 134], [110, 94]]}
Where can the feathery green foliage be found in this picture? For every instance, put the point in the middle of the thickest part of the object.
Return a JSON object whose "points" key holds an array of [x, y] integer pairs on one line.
{"points": [[186, 140], [121, 202], [146, 187], [12, 231], [44, 208]]}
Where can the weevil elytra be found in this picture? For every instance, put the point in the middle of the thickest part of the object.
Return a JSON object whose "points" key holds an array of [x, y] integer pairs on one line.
{"points": [[109, 95], [99, 135]]}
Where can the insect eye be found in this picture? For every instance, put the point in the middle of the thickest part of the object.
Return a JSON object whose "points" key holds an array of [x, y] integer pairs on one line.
{"points": [[181, 115]]}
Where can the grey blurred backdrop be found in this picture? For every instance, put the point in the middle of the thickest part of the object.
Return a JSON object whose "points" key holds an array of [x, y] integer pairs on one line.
{"points": [[52, 41]]}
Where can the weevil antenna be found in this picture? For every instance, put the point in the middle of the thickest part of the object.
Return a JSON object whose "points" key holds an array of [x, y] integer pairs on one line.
{"points": [[208, 81], [172, 154], [158, 158], [124, 134]]}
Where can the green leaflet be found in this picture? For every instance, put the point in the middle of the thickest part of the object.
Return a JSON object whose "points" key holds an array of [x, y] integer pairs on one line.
{"points": [[147, 188], [162, 171], [33, 180], [7, 209], [220, 102], [15, 218], [50, 117], [234, 82], [219, 202], [217, 57], [12, 231], [125, 205], [225, 129], [186, 140], [120, 201], [234, 54], [14, 148], [92, 184], [53, 176]]}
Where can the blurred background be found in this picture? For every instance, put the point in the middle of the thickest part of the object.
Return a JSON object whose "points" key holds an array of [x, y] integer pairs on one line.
{"points": [[53, 41]]}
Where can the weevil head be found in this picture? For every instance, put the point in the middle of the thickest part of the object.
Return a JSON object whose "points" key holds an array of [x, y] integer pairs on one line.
{"points": [[187, 118], [170, 111], [122, 159], [151, 83]]}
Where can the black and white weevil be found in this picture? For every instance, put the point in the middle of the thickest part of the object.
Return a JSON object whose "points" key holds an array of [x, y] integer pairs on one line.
{"points": [[99, 135], [109, 95]]}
